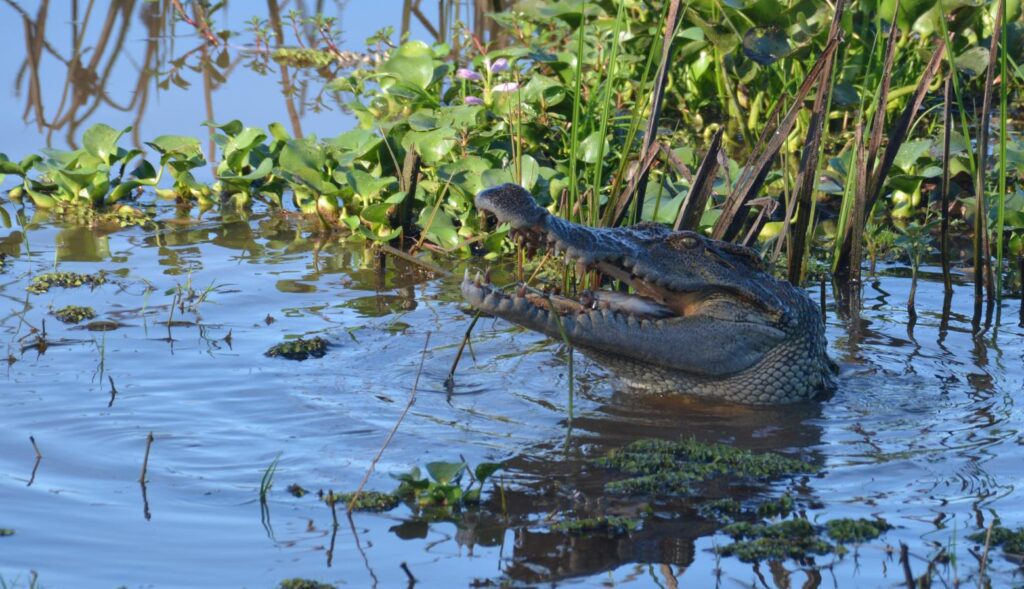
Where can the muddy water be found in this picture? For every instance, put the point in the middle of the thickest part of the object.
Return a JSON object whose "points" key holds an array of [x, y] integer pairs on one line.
{"points": [[924, 430]]}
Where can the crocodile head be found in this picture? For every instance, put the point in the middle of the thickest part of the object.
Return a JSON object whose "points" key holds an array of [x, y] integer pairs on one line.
{"points": [[702, 316]]}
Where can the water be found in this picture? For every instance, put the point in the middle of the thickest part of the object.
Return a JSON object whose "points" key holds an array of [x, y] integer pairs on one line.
{"points": [[924, 429]]}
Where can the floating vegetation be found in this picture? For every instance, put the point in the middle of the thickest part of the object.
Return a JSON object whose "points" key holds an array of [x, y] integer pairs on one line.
{"points": [[673, 467], [298, 583], [849, 530], [782, 506], [299, 349], [792, 538], [366, 501], [612, 526], [74, 314], [6, 532], [1011, 541], [102, 325], [296, 490], [44, 282], [798, 538], [77, 213], [3, 261]]}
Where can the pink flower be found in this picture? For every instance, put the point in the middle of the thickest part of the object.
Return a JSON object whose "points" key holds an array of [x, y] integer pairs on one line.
{"points": [[499, 65], [468, 74], [506, 87], [472, 100]]}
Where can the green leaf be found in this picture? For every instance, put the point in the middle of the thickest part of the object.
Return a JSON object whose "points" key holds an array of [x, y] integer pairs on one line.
{"points": [[176, 144], [432, 146], [230, 128], [445, 472], [589, 147], [765, 45], [485, 469], [412, 63], [358, 141], [305, 160], [101, 141]]}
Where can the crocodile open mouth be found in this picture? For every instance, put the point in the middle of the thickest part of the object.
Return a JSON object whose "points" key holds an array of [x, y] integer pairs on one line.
{"points": [[653, 299]]}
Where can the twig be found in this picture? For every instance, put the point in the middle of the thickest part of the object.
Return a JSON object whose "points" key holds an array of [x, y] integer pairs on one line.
{"points": [[203, 27], [35, 447], [391, 434], [408, 573], [437, 270], [113, 391], [984, 554], [449, 382], [145, 459]]}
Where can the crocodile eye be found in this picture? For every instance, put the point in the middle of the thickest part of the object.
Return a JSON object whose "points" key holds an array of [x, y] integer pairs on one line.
{"points": [[689, 241]]}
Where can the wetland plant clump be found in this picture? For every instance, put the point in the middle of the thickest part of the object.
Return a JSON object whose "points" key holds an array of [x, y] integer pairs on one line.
{"points": [[673, 467], [299, 583], [612, 526], [299, 349], [44, 282], [849, 530], [367, 500], [791, 538], [74, 314], [6, 532], [1011, 541], [798, 538]]}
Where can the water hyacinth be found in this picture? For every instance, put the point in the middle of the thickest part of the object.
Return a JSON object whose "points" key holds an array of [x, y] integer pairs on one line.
{"points": [[505, 87], [472, 100], [499, 65], [468, 74]]}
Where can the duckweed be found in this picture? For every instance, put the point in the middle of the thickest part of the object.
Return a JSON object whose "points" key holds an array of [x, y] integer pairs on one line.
{"points": [[74, 314], [792, 538], [846, 530], [612, 526], [299, 349], [1012, 541], [44, 282], [667, 467]]}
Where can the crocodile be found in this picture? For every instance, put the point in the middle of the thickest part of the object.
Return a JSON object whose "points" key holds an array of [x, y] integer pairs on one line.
{"points": [[704, 316]]}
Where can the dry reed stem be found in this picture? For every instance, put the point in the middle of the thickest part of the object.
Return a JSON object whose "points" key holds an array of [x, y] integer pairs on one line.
{"points": [[700, 188]]}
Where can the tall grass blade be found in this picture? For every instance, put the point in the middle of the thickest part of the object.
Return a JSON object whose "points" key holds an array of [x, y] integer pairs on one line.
{"points": [[858, 211], [658, 94], [982, 259], [899, 133], [754, 173], [622, 202], [808, 175], [1003, 115], [700, 189], [947, 128], [574, 133]]}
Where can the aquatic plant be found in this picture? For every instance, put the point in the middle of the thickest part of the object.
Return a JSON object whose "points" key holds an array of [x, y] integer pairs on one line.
{"points": [[1011, 541], [74, 314], [365, 500], [792, 538], [299, 349], [612, 526], [299, 583], [662, 467], [847, 530], [44, 282]]}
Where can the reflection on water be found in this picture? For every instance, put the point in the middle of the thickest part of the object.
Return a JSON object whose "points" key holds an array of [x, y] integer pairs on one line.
{"points": [[924, 430]]}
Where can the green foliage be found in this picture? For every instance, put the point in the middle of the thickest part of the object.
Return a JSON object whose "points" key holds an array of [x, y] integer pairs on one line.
{"points": [[43, 282], [611, 526], [443, 488], [846, 530], [366, 501], [1011, 541], [299, 583], [299, 349], [672, 468], [791, 538], [74, 314]]}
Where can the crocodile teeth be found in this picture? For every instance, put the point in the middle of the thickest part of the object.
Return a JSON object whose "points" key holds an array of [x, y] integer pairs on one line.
{"points": [[477, 281], [487, 276]]}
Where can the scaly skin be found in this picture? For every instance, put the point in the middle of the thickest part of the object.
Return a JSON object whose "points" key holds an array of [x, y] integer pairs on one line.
{"points": [[706, 318]]}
